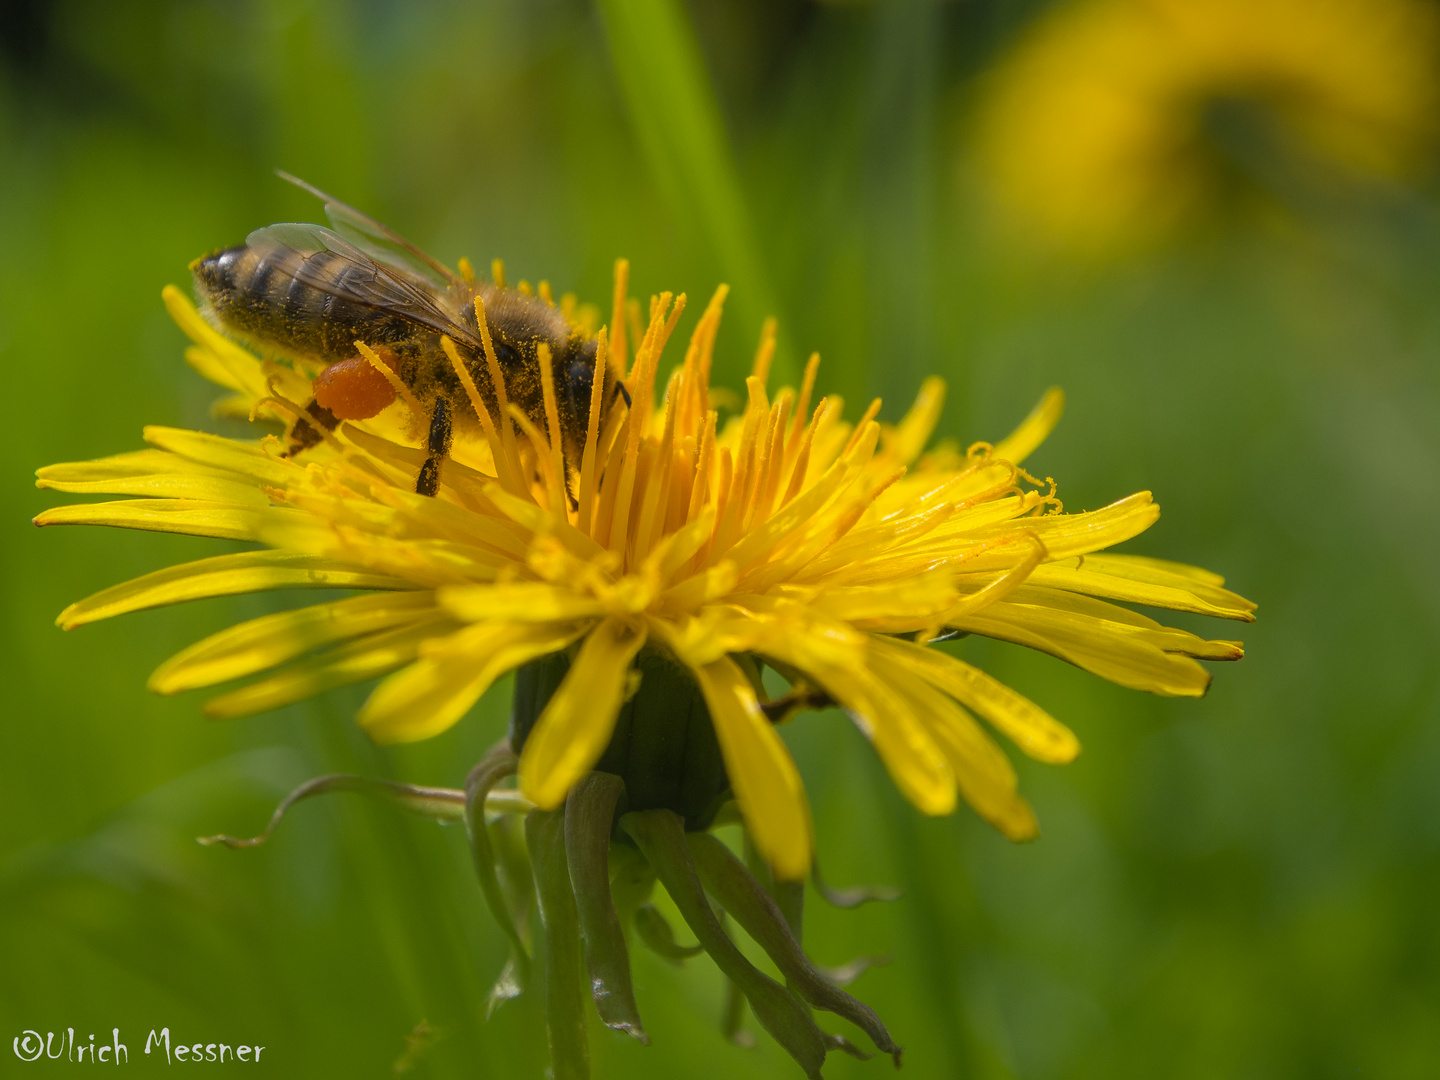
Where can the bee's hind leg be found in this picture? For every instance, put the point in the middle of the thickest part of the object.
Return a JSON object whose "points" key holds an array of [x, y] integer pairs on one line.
{"points": [[305, 432], [441, 435]]}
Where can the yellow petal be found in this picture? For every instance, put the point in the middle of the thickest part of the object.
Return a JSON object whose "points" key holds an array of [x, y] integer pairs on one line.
{"points": [[796, 514], [1030, 727], [915, 598], [193, 517], [121, 466], [908, 438], [766, 782], [210, 366], [433, 693], [223, 575], [357, 661], [1089, 611], [244, 372], [1148, 581], [1142, 567], [1108, 649], [1065, 535], [1134, 592], [1034, 429], [703, 639], [263, 643], [982, 771], [173, 485], [521, 602], [246, 458], [702, 588], [577, 723], [918, 767]]}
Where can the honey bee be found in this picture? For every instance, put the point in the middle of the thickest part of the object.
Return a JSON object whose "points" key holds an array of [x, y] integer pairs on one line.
{"points": [[313, 294]]}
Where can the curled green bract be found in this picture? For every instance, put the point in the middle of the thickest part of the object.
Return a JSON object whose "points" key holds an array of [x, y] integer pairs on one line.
{"points": [[589, 869]]}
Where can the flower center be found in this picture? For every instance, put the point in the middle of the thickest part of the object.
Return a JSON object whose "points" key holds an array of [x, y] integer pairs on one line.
{"points": [[663, 746]]}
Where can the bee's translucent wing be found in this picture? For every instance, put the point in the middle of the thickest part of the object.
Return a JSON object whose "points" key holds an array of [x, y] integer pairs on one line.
{"points": [[379, 241], [328, 263]]}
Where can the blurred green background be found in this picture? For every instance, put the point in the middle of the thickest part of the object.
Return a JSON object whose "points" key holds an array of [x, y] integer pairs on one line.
{"points": [[1219, 232]]}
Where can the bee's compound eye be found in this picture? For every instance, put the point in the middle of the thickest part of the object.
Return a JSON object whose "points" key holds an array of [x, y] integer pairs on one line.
{"points": [[353, 390]]}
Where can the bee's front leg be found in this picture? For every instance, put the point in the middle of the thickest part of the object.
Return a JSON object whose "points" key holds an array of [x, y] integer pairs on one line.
{"points": [[441, 435], [305, 431]]}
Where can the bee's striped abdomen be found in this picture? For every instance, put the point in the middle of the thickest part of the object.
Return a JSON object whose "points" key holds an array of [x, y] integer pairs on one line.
{"points": [[265, 297]]}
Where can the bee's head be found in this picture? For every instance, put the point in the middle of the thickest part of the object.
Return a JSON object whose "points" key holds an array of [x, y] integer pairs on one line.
{"points": [[579, 382]]}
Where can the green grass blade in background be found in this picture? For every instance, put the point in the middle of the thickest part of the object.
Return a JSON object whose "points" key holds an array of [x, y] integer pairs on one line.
{"points": [[673, 108]]}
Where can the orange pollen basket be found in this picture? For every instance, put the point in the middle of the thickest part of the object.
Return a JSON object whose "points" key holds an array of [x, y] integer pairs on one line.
{"points": [[353, 389]]}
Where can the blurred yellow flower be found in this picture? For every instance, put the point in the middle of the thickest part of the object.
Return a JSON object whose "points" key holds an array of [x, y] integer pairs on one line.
{"points": [[831, 551], [1099, 131]]}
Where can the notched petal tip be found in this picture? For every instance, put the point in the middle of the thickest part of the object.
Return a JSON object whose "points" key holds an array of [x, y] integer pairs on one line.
{"points": [[1021, 826]]}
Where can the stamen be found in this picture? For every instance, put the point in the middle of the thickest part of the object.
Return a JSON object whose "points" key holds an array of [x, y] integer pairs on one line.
{"points": [[543, 290], [646, 358], [617, 317], [642, 382], [700, 489], [275, 409], [645, 470], [1002, 586], [497, 379], [697, 360], [756, 510], [775, 453], [724, 481], [682, 480], [870, 414], [467, 272], [807, 387], [509, 480], [553, 487], [632, 318], [765, 353], [552, 419], [394, 380], [802, 460], [592, 433], [851, 517], [658, 488], [727, 531], [609, 491], [497, 272]]}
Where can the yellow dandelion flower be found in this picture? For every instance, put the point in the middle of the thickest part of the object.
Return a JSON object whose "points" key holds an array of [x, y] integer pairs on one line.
{"points": [[831, 551], [1099, 130]]}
